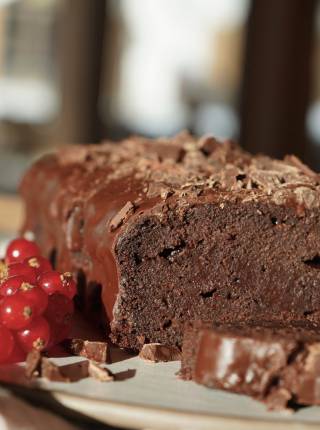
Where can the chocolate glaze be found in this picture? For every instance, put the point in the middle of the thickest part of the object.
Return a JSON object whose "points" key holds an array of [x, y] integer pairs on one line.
{"points": [[99, 212], [269, 362], [79, 190]]}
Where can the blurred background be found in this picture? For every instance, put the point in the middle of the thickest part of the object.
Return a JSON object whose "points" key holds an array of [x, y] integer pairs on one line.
{"points": [[84, 70]]}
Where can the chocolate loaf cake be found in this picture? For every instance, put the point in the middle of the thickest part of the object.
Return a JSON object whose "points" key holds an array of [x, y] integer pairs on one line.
{"points": [[272, 363], [171, 230]]}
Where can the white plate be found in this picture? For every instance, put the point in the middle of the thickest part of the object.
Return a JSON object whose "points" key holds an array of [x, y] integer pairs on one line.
{"points": [[154, 398]]}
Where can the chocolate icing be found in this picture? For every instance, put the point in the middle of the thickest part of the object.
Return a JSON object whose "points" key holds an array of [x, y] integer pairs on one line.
{"points": [[88, 198]]}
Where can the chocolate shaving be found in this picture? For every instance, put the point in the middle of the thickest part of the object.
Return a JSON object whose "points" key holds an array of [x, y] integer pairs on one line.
{"points": [[73, 154], [92, 350], [166, 150], [207, 144], [292, 159], [122, 216], [33, 363], [166, 193], [102, 374], [154, 190], [156, 352], [68, 373]]}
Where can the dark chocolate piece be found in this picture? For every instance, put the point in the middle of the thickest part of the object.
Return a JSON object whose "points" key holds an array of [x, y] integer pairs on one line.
{"points": [[92, 350], [274, 364], [68, 373], [156, 352], [236, 238], [102, 374], [33, 363]]}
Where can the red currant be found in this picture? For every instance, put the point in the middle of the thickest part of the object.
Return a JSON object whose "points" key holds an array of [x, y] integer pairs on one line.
{"points": [[60, 309], [69, 286], [17, 355], [36, 304], [50, 282], [35, 336], [22, 269], [41, 264], [36, 296], [11, 285], [16, 312], [20, 249], [6, 344]]}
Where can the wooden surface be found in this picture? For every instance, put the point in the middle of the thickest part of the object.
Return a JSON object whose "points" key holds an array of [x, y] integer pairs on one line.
{"points": [[11, 214]]}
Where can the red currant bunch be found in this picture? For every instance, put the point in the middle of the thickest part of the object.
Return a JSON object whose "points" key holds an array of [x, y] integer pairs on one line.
{"points": [[36, 302]]}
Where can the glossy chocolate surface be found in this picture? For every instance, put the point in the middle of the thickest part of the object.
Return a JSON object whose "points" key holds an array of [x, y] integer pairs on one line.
{"points": [[266, 361]]}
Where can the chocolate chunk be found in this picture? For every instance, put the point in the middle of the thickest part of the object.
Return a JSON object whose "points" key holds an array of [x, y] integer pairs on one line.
{"points": [[52, 371], [68, 373], [122, 216], [33, 363], [102, 374], [156, 352], [92, 350]]}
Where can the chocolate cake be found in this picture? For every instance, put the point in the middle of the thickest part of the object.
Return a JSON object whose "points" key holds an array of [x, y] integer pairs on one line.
{"points": [[169, 230], [277, 364]]}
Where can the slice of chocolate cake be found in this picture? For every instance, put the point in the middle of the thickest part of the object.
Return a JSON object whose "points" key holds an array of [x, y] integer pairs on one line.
{"points": [[275, 364], [177, 229]]}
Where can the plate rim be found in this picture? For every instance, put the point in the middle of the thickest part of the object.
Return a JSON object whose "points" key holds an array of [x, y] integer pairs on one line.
{"points": [[195, 419]]}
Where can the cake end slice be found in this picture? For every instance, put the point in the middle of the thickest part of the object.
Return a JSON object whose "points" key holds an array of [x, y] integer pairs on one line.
{"points": [[279, 365]]}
